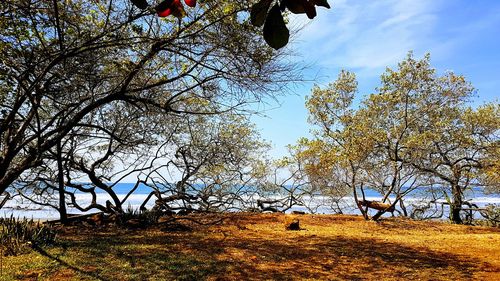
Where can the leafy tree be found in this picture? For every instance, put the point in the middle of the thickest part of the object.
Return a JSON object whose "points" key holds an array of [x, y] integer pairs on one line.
{"points": [[417, 130], [212, 161], [312, 187], [195, 163], [65, 63], [118, 143], [284, 184], [341, 148], [447, 139], [276, 33]]}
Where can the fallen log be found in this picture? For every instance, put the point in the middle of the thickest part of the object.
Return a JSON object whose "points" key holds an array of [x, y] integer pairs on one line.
{"points": [[377, 205]]}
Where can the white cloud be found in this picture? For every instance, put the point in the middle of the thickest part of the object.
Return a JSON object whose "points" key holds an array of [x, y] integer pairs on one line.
{"points": [[368, 35]]}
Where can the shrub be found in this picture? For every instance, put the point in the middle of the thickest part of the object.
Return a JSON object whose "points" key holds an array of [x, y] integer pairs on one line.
{"points": [[18, 235], [146, 218]]}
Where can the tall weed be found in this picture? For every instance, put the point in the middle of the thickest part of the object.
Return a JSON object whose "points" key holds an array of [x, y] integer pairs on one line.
{"points": [[18, 235]]}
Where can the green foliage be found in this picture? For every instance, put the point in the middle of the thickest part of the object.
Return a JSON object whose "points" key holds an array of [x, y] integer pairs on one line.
{"points": [[17, 235], [276, 33], [110, 80], [146, 218], [258, 13], [330, 107], [417, 127]]}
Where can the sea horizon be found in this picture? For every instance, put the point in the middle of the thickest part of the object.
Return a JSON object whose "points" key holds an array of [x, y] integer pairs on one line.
{"points": [[18, 207]]}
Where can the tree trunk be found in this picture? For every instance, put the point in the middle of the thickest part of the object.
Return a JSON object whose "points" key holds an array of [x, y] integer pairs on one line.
{"points": [[63, 213], [403, 208], [456, 204], [358, 202]]}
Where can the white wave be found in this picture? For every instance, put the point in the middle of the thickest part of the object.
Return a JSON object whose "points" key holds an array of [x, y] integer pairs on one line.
{"points": [[321, 204]]}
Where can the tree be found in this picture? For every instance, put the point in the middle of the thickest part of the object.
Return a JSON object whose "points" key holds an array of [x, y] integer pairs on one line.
{"points": [[313, 187], [275, 31], [64, 62], [192, 163], [285, 184], [416, 131], [447, 139], [341, 147], [211, 166], [95, 157]]}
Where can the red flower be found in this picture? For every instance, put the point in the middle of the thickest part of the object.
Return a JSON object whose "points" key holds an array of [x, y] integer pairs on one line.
{"points": [[190, 3]]}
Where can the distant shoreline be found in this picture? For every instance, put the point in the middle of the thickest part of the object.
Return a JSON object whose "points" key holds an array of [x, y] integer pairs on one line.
{"points": [[30, 210]]}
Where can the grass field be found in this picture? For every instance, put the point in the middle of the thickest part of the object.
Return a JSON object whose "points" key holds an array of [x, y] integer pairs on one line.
{"points": [[257, 247]]}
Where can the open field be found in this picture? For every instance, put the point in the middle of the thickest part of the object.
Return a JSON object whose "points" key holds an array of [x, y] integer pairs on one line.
{"points": [[257, 247]]}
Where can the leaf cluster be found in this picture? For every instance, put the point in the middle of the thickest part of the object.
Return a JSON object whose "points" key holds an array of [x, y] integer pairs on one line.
{"points": [[275, 31]]}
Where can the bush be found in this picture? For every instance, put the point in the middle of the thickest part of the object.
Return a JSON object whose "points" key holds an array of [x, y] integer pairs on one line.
{"points": [[18, 235], [146, 218]]}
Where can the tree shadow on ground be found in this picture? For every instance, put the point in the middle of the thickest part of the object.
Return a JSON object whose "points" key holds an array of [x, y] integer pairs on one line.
{"points": [[201, 255]]}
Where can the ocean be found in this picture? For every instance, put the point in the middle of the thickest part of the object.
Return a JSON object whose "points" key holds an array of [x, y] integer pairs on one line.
{"points": [[18, 207]]}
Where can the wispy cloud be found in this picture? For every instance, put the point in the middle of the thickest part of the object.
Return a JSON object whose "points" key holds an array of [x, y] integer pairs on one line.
{"points": [[368, 35]]}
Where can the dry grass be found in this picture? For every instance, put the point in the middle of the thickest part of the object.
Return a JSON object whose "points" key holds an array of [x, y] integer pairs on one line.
{"points": [[257, 247]]}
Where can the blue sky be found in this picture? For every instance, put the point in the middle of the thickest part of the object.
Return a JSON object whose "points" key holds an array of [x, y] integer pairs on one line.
{"points": [[366, 36]]}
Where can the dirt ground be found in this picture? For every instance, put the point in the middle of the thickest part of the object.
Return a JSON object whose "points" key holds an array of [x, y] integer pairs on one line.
{"points": [[257, 247]]}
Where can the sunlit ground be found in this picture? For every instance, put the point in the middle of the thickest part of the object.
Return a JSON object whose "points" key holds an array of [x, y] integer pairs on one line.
{"points": [[257, 247]]}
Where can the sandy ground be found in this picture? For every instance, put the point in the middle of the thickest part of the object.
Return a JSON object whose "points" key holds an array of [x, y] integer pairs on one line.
{"points": [[257, 247]]}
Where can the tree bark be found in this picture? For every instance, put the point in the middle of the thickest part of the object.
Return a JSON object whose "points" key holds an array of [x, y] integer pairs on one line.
{"points": [[63, 213], [456, 204]]}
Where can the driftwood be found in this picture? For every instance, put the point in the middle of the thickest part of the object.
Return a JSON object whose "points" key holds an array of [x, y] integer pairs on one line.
{"points": [[377, 205]]}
